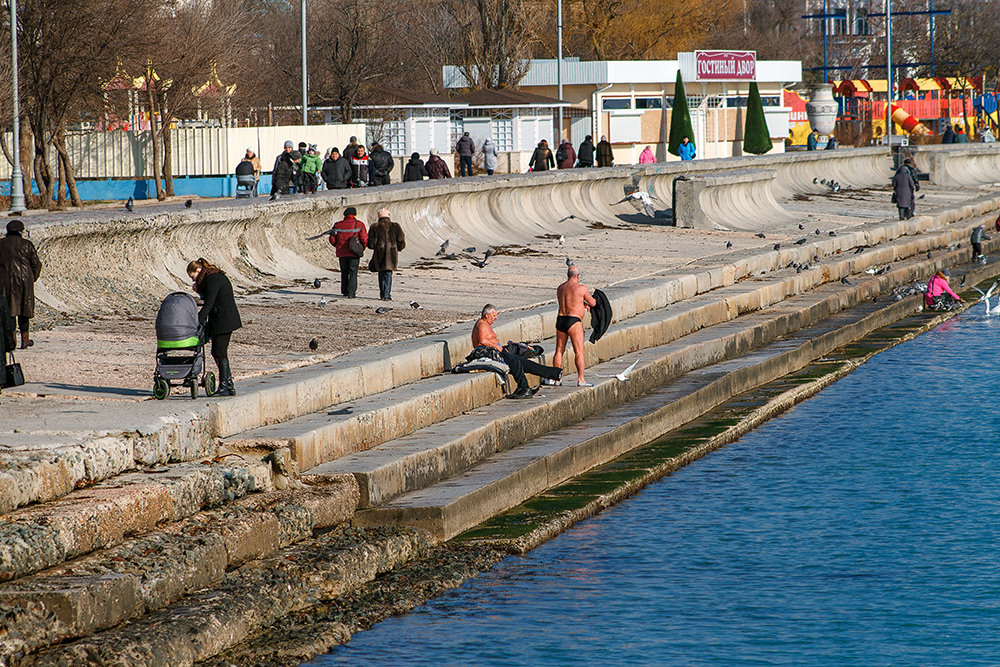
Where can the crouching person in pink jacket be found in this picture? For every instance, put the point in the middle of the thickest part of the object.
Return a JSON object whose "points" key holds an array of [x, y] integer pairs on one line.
{"points": [[939, 295]]}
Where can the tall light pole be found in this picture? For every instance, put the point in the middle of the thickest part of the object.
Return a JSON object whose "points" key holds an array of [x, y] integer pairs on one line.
{"points": [[888, 73], [305, 88], [16, 186], [559, 93]]}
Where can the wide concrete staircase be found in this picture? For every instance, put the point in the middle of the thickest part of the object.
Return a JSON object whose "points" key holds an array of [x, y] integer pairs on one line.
{"points": [[176, 562]]}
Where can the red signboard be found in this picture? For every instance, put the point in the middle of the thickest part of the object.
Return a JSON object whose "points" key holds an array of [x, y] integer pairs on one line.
{"points": [[725, 65]]}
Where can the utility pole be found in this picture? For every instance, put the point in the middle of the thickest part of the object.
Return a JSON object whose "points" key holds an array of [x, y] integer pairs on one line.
{"points": [[16, 177], [559, 55], [305, 87]]}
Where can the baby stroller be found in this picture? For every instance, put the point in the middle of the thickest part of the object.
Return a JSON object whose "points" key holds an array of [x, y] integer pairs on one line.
{"points": [[180, 348]]}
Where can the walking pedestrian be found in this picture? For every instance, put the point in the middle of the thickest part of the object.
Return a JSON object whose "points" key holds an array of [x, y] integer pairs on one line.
{"points": [[340, 238], [490, 155], [415, 169], [812, 143], [574, 301], [359, 167], [565, 155], [385, 239], [541, 159], [382, 165], [978, 236], [605, 156], [336, 171], [311, 166], [585, 155], [465, 148], [281, 174], [219, 315], [436, 167], [646, 156], [903, 187], [20, 268], [687, 150]]}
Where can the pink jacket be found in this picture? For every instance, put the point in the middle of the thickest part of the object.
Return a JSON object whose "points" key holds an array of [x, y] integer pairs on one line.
{"points": [[937, 286], [646, 157]]}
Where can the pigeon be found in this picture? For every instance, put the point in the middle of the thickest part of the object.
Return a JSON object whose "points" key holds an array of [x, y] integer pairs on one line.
{"points": [[129, 205], [416, 306], [798, 269], [928, 255], [624, 375], [382, 310], [874, 299], [188, 203], [833, 233], [444, 247], [469, 249], [322, 301], [817, 231], [562, 239], [815, 180], [859, 250], [569, 262], [816, 258], [314, 345], [316, 283], [962, 281], [800, 242], [760, 235], [777, 246], [729, 244], [800, 226], [845, 281], [489, 253], [274, 196], [482, 262]]}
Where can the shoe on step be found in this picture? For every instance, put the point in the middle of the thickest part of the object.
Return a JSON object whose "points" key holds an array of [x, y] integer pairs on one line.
{"points": [[551, 383], [584, 384], [521, 393]]}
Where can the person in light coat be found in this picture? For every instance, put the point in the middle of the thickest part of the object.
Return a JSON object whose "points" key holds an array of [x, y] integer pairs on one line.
{"points": [[490, 155]]}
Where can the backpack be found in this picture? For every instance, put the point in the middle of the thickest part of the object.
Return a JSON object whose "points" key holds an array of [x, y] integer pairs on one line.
{"points": [[561, 154]]}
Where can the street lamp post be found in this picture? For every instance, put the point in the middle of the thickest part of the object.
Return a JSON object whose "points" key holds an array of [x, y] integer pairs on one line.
{"points": [[888, 73], [559, 57], [305, 88], [16, 177]]}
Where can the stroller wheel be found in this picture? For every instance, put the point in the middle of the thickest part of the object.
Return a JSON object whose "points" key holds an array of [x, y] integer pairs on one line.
{"points": [[209, 384], [160, 388]]}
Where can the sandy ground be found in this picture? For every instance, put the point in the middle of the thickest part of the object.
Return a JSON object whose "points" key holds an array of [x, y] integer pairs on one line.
{"points": [[118, 352]]}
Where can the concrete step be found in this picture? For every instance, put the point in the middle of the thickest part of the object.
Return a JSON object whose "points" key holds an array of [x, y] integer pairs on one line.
{"points": [[509, 477], [143, 574], [366, 422], [243, 602]]}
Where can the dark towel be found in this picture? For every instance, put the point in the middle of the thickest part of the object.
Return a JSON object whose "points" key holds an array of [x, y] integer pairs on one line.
{"points": [[600, 316]]}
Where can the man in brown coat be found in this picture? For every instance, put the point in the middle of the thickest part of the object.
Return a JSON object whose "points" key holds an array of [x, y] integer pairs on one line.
{"points": [[386, 239], [19, 269]]}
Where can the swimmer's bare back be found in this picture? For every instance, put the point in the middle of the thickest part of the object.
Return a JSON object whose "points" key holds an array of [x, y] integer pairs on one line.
{"points": [[574, 299]]}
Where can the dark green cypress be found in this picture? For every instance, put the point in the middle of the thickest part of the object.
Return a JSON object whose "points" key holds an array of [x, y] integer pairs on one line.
{"points": [[680, 118], [756, 138]]}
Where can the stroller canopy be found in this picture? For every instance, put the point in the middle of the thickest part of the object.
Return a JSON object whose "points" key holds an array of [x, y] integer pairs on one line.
{"points": [[177, 322]]}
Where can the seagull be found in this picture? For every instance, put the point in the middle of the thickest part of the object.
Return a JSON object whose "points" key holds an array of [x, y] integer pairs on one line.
{"points": [[562, 239], [416, 306], [624, 375], [729, 244], [314, 345], [985, 298], [129, 206], [760, 235], [644, 200], [800, 242], [316, 283], [444, 247], [382, 310], [322, 301], [188, 203]]}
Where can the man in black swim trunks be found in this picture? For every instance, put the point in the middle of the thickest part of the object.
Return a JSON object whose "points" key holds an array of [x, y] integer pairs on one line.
{"points": [[574, 301], [483, 335]]}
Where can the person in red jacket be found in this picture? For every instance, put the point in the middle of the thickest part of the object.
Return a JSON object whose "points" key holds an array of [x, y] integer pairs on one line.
{"points": [[340, 237]]}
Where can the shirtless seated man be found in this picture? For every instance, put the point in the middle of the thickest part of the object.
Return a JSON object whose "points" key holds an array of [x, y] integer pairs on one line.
{"points": [[483, 335], [574, 301]]}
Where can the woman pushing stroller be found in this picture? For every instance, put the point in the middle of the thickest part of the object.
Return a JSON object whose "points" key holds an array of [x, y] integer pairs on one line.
{"points": [[218, 315]]}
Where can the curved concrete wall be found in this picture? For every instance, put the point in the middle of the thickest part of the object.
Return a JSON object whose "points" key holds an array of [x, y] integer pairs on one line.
{"points": [[959, 164], [98, 262]]}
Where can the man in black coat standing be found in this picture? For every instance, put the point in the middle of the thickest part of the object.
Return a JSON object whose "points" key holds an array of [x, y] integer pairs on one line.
{"points": [[382, 165], [336, 171], [585, 154], [283, 171]]}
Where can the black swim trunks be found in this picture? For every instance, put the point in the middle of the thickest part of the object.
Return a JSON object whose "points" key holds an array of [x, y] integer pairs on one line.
{"points": [[564, 322]]}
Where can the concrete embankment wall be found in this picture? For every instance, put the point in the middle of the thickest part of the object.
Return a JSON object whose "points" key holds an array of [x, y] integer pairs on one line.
{"points": [[100, 262]]}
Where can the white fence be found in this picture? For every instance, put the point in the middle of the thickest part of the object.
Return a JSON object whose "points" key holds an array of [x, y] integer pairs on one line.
{"points": [[196, 151]]}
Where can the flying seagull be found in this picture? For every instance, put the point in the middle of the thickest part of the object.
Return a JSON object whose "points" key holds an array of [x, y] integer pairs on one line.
{"points": [[624, 375], [562, 239], [645, 201], [985, 298]]}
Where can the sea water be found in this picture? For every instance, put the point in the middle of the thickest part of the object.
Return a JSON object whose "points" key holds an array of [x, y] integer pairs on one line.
{"points": [[861, 527]]}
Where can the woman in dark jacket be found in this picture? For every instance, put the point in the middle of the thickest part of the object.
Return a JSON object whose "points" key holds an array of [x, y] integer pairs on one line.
{"points": [[218, 314], [605, 156], [541, 159], [386, 239], [19, 270], [415, 169], [436, 167]]}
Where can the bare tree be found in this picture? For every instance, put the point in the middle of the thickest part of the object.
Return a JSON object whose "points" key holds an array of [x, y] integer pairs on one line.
{"points": [[496, 39]]}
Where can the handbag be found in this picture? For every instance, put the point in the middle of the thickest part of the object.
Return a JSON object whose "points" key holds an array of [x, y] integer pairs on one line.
{"points": [[371, 265], [13, 376], [355, 246], [893, 197]]}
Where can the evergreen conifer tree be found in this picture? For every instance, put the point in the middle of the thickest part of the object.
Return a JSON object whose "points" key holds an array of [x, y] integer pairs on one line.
{"points": [[756, 138], [680, 118]]}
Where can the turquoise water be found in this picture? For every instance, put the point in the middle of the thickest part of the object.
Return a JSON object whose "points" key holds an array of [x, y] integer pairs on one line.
{"points": [[859, 528]]}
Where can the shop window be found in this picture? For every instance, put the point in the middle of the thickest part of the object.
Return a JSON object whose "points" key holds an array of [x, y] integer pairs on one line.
{"points": [[616, 103]]}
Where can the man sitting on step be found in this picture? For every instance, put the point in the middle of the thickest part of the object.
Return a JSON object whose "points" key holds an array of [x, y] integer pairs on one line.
{"points": [[484, 336]]}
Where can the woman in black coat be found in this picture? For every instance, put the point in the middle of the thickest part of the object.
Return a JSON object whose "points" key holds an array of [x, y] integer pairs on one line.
{"points": [[218, 315]]}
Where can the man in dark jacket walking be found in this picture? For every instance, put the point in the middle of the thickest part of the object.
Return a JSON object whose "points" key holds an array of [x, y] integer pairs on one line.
{"points": [[340, 237], [605, 157], [541, 159], [436, 167], [382, 165], [465, 148], [281, 174], [585, 155], [336, 171], [415, 169]]}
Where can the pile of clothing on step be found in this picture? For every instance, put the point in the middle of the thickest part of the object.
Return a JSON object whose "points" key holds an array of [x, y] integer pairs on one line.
{"points": [[489, 359]]}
